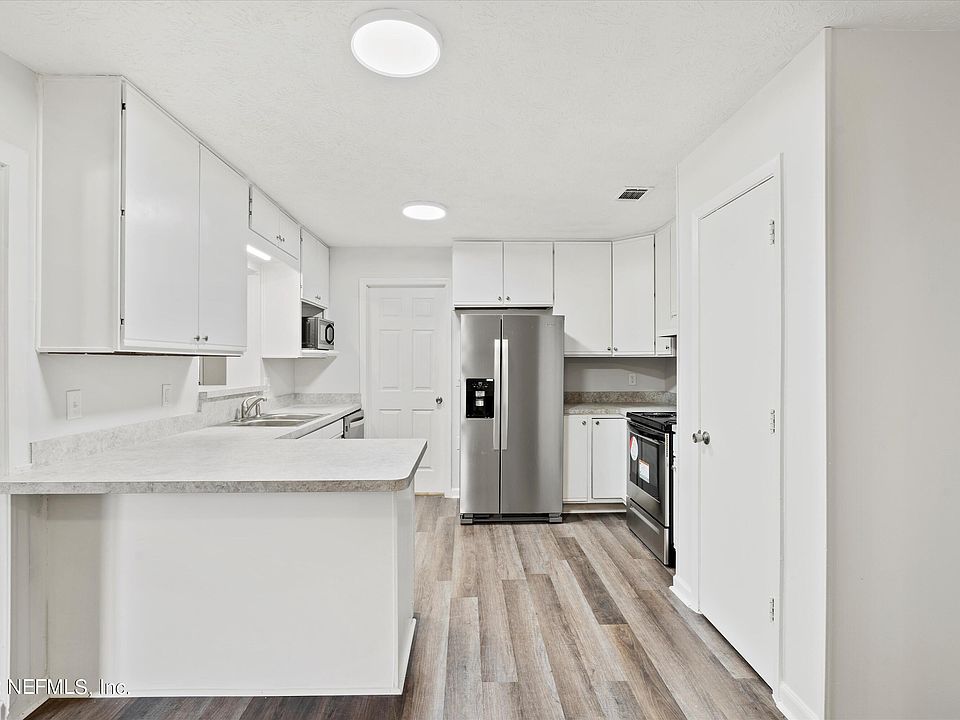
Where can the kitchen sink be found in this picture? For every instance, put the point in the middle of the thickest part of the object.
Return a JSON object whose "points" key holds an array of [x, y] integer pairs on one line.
{"points": [[273, 420]]}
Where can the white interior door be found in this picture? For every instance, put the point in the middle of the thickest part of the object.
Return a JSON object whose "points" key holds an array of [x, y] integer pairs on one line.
{"points": [[739, 271], [408, 374]]}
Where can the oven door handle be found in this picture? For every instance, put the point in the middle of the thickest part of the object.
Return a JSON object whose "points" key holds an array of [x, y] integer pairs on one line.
{"points": [[645, 436]]}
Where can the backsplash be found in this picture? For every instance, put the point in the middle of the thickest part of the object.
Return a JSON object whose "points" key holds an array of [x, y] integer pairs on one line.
{"points": [[213, 408], [659, 397]]}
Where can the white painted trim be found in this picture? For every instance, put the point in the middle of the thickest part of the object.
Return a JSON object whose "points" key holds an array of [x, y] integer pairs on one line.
{"points": [[683, 593], [453, 492], [365, 285], [790, 704], [771, 170], [13, 399]]}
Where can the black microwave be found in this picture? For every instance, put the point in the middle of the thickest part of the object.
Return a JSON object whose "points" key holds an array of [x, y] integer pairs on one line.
{"points": [[317, 334]]}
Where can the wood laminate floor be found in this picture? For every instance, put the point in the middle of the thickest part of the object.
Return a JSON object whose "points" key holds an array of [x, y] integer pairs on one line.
{"points": [[521, 621]]}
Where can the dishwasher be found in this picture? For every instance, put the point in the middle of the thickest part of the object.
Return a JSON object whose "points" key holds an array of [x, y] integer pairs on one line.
{"points": [[353, 425]]}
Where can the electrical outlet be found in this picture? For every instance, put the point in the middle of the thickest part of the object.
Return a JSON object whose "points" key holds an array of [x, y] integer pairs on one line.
{"points": [[74, 405], [166, 395], [631, 378]]}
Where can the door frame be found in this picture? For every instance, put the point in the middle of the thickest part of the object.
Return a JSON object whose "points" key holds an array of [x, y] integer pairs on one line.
{"points": [[367, 284], [771, 170]]}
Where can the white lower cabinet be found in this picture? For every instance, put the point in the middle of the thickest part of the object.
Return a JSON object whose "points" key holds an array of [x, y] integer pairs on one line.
{"points": [[594, 458], [576, 458], [609, 463]]}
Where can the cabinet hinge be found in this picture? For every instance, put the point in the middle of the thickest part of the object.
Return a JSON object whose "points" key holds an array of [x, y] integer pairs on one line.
{"points": [[249, 207], [773, 232], [123, 106], [773, 422], [773, 609], [123, 212], [121, 320]]}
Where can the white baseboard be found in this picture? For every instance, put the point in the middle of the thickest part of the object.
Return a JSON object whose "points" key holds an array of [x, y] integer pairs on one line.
{"points": [[792, 707], [453, 493], [684, 593], [25, 710]]}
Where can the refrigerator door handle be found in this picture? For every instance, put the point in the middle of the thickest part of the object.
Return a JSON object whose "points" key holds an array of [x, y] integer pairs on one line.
{"points": [[505, 402], [496, 394]]}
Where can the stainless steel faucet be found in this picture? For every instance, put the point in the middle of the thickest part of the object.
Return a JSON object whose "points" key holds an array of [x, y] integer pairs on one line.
{"points": [[250, 407]]}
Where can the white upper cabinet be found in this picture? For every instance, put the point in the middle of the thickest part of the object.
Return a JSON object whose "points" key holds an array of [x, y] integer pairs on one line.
{"points": [[633, 297], [666, 261], [528, 274], [289, 235], [129, 261], [477, 274], [223, 258], [264, 217], [502, 274], [314, 271], [582, 294], [272, 224], [161, 229]]}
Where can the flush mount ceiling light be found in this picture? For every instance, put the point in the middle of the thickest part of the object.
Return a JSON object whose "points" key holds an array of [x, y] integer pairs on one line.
{"points": [[424, 211], [395, 43]]}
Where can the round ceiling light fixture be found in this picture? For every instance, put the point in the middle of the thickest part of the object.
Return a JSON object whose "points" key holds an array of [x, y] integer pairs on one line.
{"points": [[395, 43], [424, 211]]}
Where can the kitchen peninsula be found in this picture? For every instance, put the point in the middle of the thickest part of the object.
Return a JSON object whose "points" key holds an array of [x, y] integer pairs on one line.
{"points": [[231, 561]]}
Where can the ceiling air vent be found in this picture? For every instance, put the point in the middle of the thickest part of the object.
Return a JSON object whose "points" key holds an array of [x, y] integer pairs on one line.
{"points": [[633, 193]]}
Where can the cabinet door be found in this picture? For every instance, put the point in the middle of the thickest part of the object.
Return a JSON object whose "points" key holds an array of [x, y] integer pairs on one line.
{"points": [[223, 258], [289, 235], [264, 217], [634, 314], [477, 274], [528, 274], [582, 294], [161, 227], [314, 271], [576, 458], [609, 465], [666, 262]]}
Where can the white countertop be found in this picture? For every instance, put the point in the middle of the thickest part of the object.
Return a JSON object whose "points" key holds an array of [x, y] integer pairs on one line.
{"points": [[222, 459]]}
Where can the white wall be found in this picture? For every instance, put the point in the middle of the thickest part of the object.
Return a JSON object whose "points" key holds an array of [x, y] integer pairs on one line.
{"points": [[893, 259], [788, 117], [611, 374], [347, 267]]}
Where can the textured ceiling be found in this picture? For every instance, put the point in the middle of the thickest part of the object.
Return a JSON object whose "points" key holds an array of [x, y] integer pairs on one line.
{"points": [[535, 118]]}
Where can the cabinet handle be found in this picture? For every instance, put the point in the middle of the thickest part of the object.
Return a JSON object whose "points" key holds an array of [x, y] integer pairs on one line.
{"points": [[597, 422], [616, 349], [206, 337], [608, 349], [196, 338], [508, 298], [583, 422], [499, 298]]}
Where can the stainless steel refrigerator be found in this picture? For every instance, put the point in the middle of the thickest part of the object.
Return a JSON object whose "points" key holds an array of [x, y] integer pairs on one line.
{"points": [[511, 418]]}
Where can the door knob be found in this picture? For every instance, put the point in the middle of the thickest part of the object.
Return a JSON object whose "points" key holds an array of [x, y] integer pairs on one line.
{"points": [[701, 436], [439, 401]]}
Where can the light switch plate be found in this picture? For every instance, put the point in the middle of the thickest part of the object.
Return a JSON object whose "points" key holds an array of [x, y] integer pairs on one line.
{"points": [[631, 378], [166, 395], [74, 405]]}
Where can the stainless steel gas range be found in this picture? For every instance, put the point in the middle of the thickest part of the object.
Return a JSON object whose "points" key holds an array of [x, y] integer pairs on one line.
{"points": [[650, 482]]}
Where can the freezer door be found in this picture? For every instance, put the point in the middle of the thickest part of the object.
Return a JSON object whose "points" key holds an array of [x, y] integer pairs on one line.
{"points": [[531, 415], [479, 426]]}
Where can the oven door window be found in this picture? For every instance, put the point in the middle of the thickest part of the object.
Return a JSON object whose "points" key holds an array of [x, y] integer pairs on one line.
{"points": [[646, 456]]}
